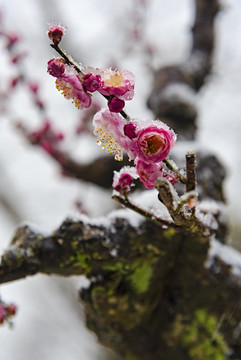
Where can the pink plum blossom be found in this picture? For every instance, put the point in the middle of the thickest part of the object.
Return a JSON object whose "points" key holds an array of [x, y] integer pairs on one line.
{"points": [[155, 141], [70, 84], [123, 179], [117, 83], [109, 127], [149, 173], [56, 32]]}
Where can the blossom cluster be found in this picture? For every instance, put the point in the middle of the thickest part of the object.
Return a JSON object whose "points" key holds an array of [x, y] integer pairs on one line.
{"points": [[147, 143], [75, 84], [117, 86]]}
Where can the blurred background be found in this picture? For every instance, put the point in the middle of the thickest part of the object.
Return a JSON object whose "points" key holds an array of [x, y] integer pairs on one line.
{"points": [[101, 33]]}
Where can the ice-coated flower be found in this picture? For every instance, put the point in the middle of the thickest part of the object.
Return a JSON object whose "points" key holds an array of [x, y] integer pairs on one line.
{"points": [[56, 67], [71, 87], [109, 128], [91, 82], [117, 83], [115, 104], [56, 32], [149, 173], [155, 140], [123, 179]]}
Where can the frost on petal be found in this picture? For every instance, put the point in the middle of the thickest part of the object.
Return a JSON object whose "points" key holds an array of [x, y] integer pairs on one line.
{"points": [[155, 140], [115, 104], [149, 173], [109, 128], [56, 67], [130, 130], [56, 32], [71, 87], [117, 83], [123, 179], [91, 82]]}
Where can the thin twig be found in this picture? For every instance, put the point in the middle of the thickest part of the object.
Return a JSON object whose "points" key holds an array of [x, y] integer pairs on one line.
{"points": [[148, 215], [181, 177], [66, 58]]}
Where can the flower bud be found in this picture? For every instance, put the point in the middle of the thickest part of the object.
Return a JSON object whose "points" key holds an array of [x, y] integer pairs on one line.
{"points": [[123, 180], [56, 67], [115, 105], [130, 130], [91, 82], [56, 32]]}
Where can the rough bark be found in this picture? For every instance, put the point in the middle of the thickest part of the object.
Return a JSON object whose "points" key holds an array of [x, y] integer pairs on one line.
{"points": [[151, 296]]}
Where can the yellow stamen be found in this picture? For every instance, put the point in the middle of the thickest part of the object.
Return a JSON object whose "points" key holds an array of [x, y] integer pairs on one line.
{"points": [[114, 80], [154, 143], [108, 142]]}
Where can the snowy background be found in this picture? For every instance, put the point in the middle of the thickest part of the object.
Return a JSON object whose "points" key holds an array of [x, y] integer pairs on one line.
{"points": [[50, 323]]}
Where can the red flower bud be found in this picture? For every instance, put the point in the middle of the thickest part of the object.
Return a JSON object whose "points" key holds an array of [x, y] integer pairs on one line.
{"points": [[115, 105]]}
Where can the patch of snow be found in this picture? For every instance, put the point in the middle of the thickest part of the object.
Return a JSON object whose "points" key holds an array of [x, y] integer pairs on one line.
{"points": [[179, 92], [207, 210], [226, 253]]}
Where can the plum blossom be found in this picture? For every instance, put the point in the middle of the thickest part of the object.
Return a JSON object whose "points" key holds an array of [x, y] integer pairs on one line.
{"points": [[149, 141], [108, 127], [70, 84], [154, 141], [123, 179], [149, 173], [56, 32], [118, 83]]}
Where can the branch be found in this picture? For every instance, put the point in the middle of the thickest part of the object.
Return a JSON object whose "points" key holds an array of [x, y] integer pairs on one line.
{"points": [[203, 39], [191, 171], [141, 277], [174, 87], [125, 201], [70, 250]]}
